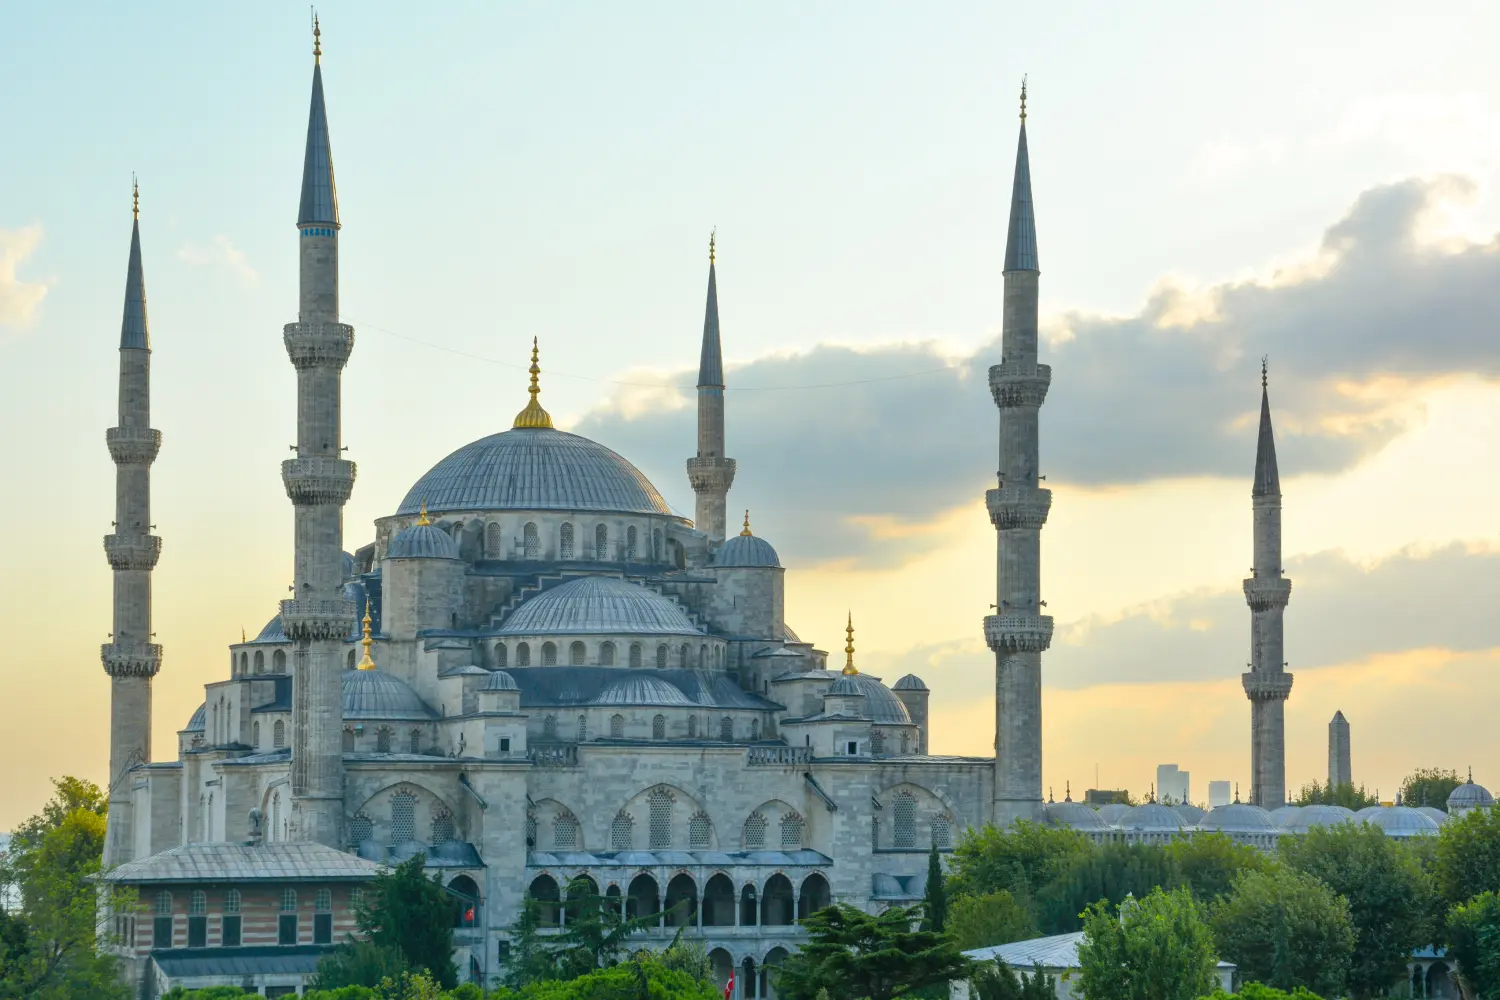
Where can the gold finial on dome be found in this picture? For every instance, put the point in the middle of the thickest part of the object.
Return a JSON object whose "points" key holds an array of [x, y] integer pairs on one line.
{"points": [[850, 670], [135, 197], [1023, 98], [367, 642], [713, 233], [534, 417], [317, 39], [422, 520], [242, 634], [745, 531]]}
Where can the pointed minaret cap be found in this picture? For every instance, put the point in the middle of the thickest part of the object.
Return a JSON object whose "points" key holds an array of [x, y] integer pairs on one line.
{"points": [[533, 417], [711, 361], [1068, 791], [850, 670], [1338, 716], [135, 331], [320, 200], [1267, 478], [1020, 238]]}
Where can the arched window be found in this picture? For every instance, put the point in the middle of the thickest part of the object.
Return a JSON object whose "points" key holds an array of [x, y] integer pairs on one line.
{"points": [[621, 832], [278, 734], [361, 829], [660, 801], [531, 541], [877, 742], [698, 831], [232, 901], [755, 832], [601, 542], [904, 825], [416, 741], [383, 739], [577, 654], [656, 545], [348, 745], [661, 657], [791, 831], [754, 729], [442, 825], [726, 729], [565, 832], [244, 663], [692, 727], [288, 900], [905, 741], [549, 727], [278, 662], [229, 923], [523, 655], [260, 662], [617, 726], [565, 541], [635, 654], [630, 544], [942, 832], [659, 727], [530, 828], [702, 656], [197, 902], [874, 833], [502, 656], [349, 660], [403, 818], [606, 654], [549, 654], [492, 540], [583, 729], [544, 890], [323, 901], [683, 654], [163, 904], [255, 734]]}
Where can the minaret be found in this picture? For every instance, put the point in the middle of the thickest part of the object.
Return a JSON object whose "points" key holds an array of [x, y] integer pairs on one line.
{"points": [[131, 659], [1018, 632], [1267, 685], [318, 481], [710, 472], [1339, 771]]}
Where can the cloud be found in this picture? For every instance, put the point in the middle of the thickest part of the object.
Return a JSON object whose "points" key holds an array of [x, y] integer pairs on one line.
{"points": [[1171, 391], [18, 299], [222, 253]]}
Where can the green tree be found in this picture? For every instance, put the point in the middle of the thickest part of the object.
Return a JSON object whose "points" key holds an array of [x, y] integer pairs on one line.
{"points": [[1429, 786], [935, 901], [530, 959], [853, 955], [1259, 991], [594, 932], [1385, 888], [1329, 794], [1110, 872], [359, 963], [1287, 930], [1158, 948], [689, 957], [1209, 862], [998, 981], [1468, 855], [1020, 859], [405, 911], [991, 919], [641, 978], [1473, 935]]}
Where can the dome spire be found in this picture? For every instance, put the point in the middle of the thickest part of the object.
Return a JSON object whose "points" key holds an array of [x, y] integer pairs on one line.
{"points": [[745, 531], [1020, 238], [850, 670], [367, 642], [422, 520], [534, 417]]}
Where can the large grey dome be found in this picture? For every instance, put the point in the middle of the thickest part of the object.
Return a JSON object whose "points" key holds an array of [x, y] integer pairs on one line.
{"points": [[599, 605], [534, 469], [881, 704], [746, 550], [374, 694], [1402, 821]]}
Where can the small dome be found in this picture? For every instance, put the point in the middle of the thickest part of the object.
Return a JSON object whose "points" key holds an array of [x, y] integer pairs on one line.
{"points": [[1402, 821], [1075, 816], [1238, 817], [1469, 796], [1307, 817], [1191, 814], [599, 605], [1112, 812], [1284, 815], [199, 722], [746, 550], [881, 704], [636, 688], [374, 694], [911, 682], [501, 681], [1433, 813], [1368, 811], [273, 632], [422, 541], [1152, 817], [845, 686], [787, 634]]}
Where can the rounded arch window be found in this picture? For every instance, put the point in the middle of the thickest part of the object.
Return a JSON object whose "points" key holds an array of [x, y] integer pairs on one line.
{"points": [[323, 901], [702, 656], [684, 655], [288, 900], [278, 662], [617, 726], [350, 659], [531, 541], [416, 741], [659, 727], [523, 655], [163, 903], [692, 727], [549, 654], [565, 541], [577, 654], [606, 654], [601, 541], [501, 656], [549, 727], [904, 826], [656, 545], [383, 739], [255, 735], [244, 663], [260, 662], [635, 654], [583, 728], [232, 901], [726, 729], [492, 540], [630, 544], [661, 657], [278, 734]]}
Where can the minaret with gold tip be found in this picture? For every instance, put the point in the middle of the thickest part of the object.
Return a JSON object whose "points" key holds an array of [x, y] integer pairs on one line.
{"points": [[710, 472], [131, 658], [533, 417], [1018, 632], [318, 481]]}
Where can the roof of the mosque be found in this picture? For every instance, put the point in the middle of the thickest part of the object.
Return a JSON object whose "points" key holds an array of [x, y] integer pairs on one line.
{"points": [[845, 686], [501, 681], [375, 694], [1307, 817], [1402, 821], [1060, 951], [422, 541], [1469, 795], [910, 682], [881, 704], [199, 722], [746, 551], [224, 862], [1191, 814], [1238, 817], [1150, 817], [1075, 816], [555, 687], [599, 605], [534, 469]]}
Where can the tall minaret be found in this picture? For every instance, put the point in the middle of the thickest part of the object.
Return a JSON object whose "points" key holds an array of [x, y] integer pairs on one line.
{"points": [[1018, 632], [710, 472], [1267, 685], [1339, 771], [131, 659], [318, 481]]}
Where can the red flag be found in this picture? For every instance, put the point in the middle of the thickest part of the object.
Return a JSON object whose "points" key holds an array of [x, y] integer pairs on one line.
{"points": [[729, 986]]}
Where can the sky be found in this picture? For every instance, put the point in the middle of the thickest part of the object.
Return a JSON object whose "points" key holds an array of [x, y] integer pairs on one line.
{"points": [[1211, 185]]}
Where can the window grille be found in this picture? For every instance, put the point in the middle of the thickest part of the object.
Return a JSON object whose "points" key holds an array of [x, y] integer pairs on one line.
{"points": [[791, 831], [565, 541], [635, 654], [530, 828], [323, 901], [416, 741], [197, 903], [232, 901], [617, 727], [606, 654], [383, 739], [905, 832], [442, 826], [549, 727], [565, 832], [255, 735], [755, 832], [942, 832], [755, 729], [278, 734], [577, 654], [630, 537], [659, 727], [661, 657], [549, 654], [361, 829], [726, 729], [288, 900], [492, 540], [278, 662], [905, 741], [621, 831], [682, 659], [531, 541], [661, 819], [523, 655], [583, 729], [500, 655], [601, 542], [698, 830], [403, 817], [877, 742]]}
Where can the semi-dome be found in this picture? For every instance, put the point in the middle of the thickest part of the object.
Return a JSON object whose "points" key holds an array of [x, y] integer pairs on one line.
{"points": [[746, 551], [636, 688], [1238, 817], [1402, 821], [599, 605], [1307, 817], [199, 722], [1151, 817], [422, 541], [274, 631], [911, 682], [1075, 816], [374, 694], [501, 681], [1470, 796], [846, 686], [535, 469]]}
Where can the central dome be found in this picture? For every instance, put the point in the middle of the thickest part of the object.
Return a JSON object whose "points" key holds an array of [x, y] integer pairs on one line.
{"points": [[599, 605], [534, 469]]}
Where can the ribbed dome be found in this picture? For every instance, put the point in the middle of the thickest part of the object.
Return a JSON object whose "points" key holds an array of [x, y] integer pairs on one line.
{"points": [[501, 681], [642, 689], [1238, 817], [746, 550], [1402, 821], [374, 694], [534, 469], [599, 605], [1433, 813], [881, 705], [1284, 815], [1153, 817], [911, 682], [422, 541], [273, 632], [1112, 812], [1307, 817], [1191, 814], [1075, 816], [199, 722], [845, 686], [1469, 796]]}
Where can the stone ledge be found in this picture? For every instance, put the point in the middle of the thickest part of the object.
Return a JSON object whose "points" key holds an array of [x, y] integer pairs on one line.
{"points": [[1264, 593], [318, 480], [1018, 506], [1267, 687], [1013, 383], [711, 474], [318, 619], [132, 551], [130, 659], [133, 445], [1018, 633], [312, 345]]}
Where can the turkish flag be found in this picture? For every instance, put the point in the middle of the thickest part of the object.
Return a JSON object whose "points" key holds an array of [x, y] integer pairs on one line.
{"points": [[729, 986]]}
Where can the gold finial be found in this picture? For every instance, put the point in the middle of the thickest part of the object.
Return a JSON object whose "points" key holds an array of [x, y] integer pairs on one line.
{"points": [[367, 642], [534, 417], [745, 531], [242, 633], [712, 233], [422, 516], [1023, 98], [849, 669], [1264, 359], [135, 197], [317, 39]]}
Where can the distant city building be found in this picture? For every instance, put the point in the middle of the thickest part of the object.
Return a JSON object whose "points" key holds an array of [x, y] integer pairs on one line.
{"points": [[1172, 784], [1218, 794], [1338, 751], [1106, 796]]}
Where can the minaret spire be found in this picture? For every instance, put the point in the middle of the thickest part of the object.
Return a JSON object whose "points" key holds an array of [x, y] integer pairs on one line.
{"points": [[1267, 591], [131, 658], [711, 473], [1018, 632], [318, 481]]}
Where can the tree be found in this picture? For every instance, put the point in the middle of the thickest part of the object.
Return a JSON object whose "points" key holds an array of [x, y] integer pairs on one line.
{"points": [[1430, 786], [641, 978], [594, 932], [359, 963], [1286, 929], [1157, 948], [530, 959], [1473, 935], [689, 957], [998, 981], [1259, 991], [1209, 862], [1346, 795], [1020, 859], [853, 954], [935, 901], [405, 911], [991, 919], [1468, 855], [1110, 872], [1386, 891]]}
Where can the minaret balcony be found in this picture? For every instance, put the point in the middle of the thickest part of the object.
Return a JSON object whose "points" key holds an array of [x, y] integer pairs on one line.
{"points": [[133, 445], [1018, 506], [1017, 383], [318, 619], [318, 345], [132, 551], [1263, 593], [318, 480], [1018, 633], [710, 475], [130, 659], [1267, 686]]}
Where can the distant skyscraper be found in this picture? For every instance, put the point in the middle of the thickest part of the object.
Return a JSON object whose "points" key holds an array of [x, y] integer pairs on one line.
{"points": [[1338, 751], [1218, 794], [1172, 783]]}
